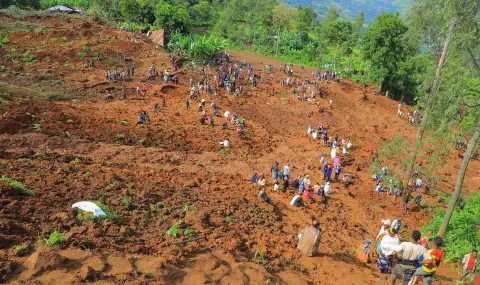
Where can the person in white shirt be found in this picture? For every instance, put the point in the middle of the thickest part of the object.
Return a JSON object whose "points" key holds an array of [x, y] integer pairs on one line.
{"points": [[275, 187], [385, 226], [226, 114], [388, 243], [225, 143], [408, 255], [286, 172]]}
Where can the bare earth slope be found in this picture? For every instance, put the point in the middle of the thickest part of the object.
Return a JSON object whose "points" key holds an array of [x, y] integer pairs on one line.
{"points": [[172, 170]]}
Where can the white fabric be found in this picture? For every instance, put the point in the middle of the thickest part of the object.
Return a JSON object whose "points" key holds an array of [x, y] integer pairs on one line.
{"points": [[327, 189], [227, 114], [89, 207], [410, 251], [388, 244], [225, 143], [295, 198], [333, 154]]}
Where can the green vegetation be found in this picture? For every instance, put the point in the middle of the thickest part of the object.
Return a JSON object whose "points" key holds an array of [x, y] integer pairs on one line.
{"points": [[124, 122], [125, 201], [195, 47], [110, 214], [55, 97], [17, 185], [19, 250], [55, 238], [462, 232], [259, 257]]}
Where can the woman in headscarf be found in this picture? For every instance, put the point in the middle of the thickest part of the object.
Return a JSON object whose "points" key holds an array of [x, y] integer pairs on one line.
{"points": [[387, 245], [383, 232]]}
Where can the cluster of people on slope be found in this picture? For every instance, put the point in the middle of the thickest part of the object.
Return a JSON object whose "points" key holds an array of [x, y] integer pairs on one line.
{"points": [[395, 188], [280, 179], [413, 118], [415, 260]]}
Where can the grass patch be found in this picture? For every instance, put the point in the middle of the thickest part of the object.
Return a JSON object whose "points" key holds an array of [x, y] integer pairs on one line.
{"points": [[224, 151], [37, 127], [229, 219], [259, 257], [175, 229], [124, 122], [125, 201], [20, 249], [55, 238], [69, 64], [55, 97], [110, 214], [17, 185], [81, 54]]}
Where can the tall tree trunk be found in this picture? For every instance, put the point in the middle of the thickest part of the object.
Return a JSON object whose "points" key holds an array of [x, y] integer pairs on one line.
{"points": [[460, 176], [430, 102]]}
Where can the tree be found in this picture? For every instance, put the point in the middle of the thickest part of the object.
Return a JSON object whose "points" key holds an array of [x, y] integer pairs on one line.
{"points": [[201, 13], [305, 21], [172, 19], [459, 183], [283, 16], [431, 101], [137, 11], [338, 32], [385, 48], [331, 16], [358, 24]]}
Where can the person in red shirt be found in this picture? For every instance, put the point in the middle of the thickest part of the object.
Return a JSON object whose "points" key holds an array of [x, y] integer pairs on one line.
{"points": [[469, 263], [428, 269]]}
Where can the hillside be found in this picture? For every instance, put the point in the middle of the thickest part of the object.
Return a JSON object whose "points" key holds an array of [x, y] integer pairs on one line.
{"points": [[187, 212], [349, 9]]}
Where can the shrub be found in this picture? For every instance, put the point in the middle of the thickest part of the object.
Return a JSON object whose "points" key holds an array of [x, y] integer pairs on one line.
{"points": [[462, 234], [55, 238], [175, 229]]}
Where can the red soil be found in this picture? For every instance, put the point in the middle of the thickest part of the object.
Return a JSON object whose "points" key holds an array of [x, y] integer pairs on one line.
{"points": [[88, 154]]}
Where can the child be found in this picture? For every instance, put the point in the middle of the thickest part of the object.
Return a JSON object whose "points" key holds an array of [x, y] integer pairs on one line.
{"points": [[428, 270]]}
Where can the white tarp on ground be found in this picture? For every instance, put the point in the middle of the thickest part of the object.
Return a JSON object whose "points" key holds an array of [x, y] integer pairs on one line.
{"points": [[89, 207], [60, 8]]}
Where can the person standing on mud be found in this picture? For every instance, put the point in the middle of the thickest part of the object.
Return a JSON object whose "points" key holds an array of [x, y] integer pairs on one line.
{"points": [[409, 253], [309, 239], [274, 171]]}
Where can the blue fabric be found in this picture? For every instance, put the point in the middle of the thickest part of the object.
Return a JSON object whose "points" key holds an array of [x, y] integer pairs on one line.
{"points": [[366, 245], [254, 179]]}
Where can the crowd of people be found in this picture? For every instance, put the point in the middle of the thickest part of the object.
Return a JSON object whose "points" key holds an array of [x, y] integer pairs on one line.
{"points": [[415, 260], [418, 258]]}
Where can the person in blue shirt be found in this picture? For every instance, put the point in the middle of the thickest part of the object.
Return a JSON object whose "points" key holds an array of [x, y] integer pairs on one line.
{"points": [[338, 169], [254, 178], [328, 173]]}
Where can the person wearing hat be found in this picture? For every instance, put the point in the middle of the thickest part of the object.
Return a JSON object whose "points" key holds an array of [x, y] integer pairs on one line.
{"points": [[387, 244], [309, 239], [408, 254]]}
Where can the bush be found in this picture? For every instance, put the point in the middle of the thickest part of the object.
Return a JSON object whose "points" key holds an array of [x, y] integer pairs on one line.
{"points": [[462, 234], [17, 185], [195, 47], [55, 238]]}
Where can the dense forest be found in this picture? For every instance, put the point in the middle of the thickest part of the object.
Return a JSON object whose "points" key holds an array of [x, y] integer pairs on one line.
{"points": [[399, 54], [348, 9]]}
